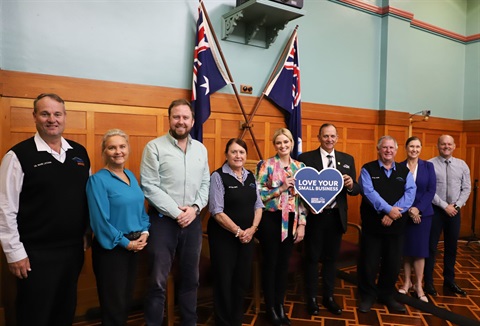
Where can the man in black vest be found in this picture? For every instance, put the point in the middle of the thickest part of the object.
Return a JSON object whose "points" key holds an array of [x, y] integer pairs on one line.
{"points": [[388, 191], [323, 234], [44, 217]]}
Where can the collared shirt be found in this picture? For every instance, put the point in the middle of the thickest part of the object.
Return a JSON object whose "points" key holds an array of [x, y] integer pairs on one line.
{"points": [[217, 190], [459, 184], [116, 208], [170, 177], [11, 176], [380, 205], [325, 160]]}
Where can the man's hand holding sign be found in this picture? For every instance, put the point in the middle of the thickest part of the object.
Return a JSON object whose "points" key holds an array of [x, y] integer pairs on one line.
{"points": [[318, 189]]}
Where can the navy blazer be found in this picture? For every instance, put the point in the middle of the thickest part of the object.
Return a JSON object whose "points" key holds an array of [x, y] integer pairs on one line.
{"points": [[346, 165], [426, 185]]}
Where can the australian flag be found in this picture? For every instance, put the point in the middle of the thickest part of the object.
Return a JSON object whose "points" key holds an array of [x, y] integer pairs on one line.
{"points": [[284, 90], [208, 75]]}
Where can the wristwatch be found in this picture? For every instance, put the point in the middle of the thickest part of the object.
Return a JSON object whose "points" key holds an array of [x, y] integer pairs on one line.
{"points": [[456, 207], [197, 209]]}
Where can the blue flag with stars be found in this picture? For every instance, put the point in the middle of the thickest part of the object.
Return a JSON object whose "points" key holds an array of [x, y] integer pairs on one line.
{"points": [[208, 75], [284, 91]]}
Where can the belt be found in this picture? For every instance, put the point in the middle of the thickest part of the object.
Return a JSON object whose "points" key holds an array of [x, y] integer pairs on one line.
{"points": [[133, 235]]}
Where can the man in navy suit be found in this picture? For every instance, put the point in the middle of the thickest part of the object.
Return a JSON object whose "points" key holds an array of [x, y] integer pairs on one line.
{"points": [[324, 231]]}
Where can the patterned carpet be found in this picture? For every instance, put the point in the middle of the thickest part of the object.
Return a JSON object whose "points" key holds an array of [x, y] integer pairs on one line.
{"points": [[445, 309]]}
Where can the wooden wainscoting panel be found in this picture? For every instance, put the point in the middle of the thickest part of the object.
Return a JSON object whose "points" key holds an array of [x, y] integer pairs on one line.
{"points": [[141, 111], [443, 125], [335, 113], [471, 125], [21, 117], [366, 133], [79, 138], [14, 138], [231, 128], [209, 128], [135, 124], [473, 138], [137, 144], [76, 120], [30, 85], [213, 157], [393, 118]]}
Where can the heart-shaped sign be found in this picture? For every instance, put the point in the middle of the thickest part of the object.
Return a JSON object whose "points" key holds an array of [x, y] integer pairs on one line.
{"points": [[318, 189]]}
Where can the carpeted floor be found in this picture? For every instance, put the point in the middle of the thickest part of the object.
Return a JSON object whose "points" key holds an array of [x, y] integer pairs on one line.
{"points": [[445, 309]]}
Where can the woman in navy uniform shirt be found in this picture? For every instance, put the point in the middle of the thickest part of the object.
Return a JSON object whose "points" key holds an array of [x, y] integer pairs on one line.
{"points": [[236, 209]]}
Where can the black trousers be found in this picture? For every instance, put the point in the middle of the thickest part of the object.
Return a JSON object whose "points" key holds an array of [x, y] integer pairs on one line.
{"points": [[115, 271], [232, 269], [323, 236], [48, 297], [379, 254], [275, 256], [451, 230]]}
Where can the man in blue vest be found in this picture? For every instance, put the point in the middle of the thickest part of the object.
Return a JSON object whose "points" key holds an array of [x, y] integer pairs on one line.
{"points": [[44, 217], [388, 191]]}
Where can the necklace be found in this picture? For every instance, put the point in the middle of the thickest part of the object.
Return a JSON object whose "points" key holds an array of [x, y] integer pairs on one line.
{"points": [[238, 174]]}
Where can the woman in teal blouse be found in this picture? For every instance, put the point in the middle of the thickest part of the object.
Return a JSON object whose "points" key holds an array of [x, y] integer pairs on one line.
{"points": [[120, 225]]}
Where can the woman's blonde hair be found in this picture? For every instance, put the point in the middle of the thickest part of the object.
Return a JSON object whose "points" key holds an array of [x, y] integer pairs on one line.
{"points": [[111, 133], [285, 132]]}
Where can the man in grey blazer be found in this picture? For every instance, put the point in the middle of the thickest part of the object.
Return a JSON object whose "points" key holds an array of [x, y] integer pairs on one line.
{"points": [[324, 231]]}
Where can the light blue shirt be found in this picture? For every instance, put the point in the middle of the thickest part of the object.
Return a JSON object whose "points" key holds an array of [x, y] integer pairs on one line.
{"points": [[380, 205], [115, 207], [170, 177], [459, 184]]}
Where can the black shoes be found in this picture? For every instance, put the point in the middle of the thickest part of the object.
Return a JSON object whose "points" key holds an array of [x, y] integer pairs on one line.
{"points": [[453, 287], [312, 307], [430, 289], [365, 305], [276, 316], [282, 316], [393, 305], [272, 316], [331, 305]]}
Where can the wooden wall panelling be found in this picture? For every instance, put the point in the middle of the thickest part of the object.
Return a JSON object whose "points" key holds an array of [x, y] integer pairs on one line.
{"points": [[96, 106], [473, 161], [30, 85]]}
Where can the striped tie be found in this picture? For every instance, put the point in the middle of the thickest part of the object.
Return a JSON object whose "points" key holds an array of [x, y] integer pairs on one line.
{"points": [[330, 165], [330, 161], [447, 167]]}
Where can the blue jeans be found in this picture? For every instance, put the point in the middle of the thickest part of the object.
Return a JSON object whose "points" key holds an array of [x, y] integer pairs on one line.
{"points": [[167, 240]]}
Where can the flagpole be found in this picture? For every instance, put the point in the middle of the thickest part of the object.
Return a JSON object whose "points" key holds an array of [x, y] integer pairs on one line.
{"points": [[247, 125], [279, 62]]}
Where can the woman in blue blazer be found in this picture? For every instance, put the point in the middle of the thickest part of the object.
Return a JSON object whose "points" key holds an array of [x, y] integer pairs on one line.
{"points": [[417, 230]]}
